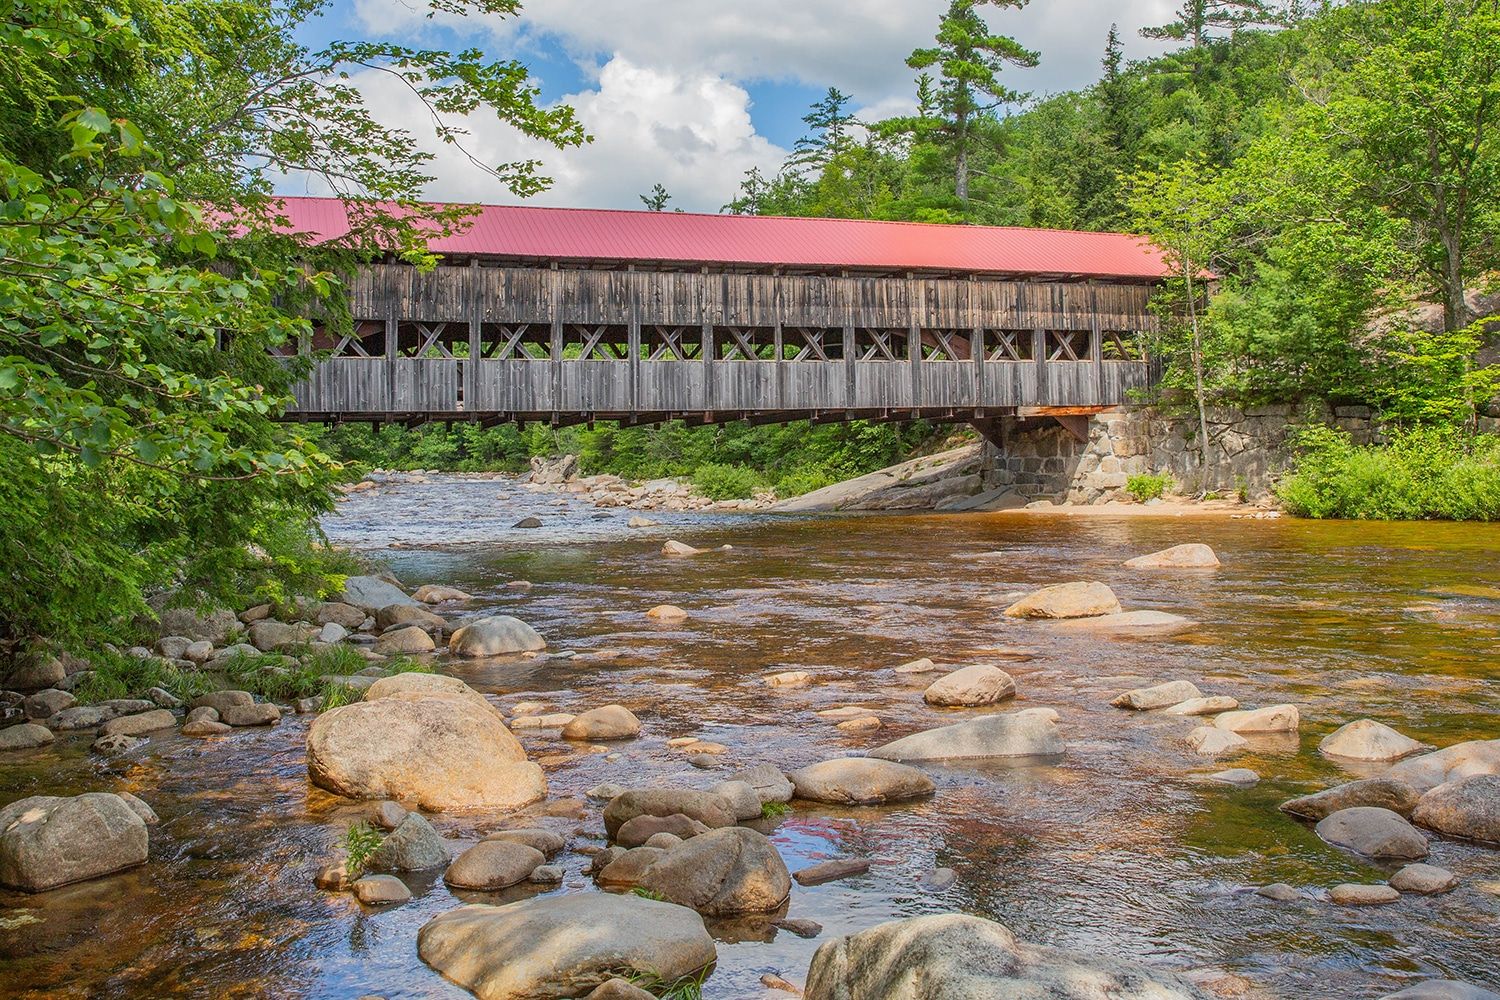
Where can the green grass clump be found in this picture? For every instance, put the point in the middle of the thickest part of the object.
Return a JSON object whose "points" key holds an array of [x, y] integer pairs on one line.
{"points": [[771, 810], [116, 675], [360, 841], [726, 482], [1149, 486], [1421, 474], [688, 987]]}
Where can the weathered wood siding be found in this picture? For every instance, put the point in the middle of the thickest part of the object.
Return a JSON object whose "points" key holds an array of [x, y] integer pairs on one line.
{"points": [[619, 343]]}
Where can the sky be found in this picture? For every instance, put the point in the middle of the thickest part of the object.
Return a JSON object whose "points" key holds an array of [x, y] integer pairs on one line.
{"points": [[693, 93]]}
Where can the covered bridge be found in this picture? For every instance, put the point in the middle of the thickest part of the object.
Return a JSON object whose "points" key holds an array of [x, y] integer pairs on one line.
{"points": [[574, 315]]}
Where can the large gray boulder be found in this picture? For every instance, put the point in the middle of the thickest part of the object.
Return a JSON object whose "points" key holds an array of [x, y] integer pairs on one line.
{"points": [[495, 636], [1374, 833], [722, 873], [860, 781], [34, 671], [1462, 760], [951, 956], [414, 846], [1383, 793], [1027, 733], [415, 684], [980, 684], [768, 781], [26, 736], [1468, 807], [370, 594], [564, 946], [207, 626], [492, 865], [440, 750], [1366, 739], [47, 841], [707, 808]]}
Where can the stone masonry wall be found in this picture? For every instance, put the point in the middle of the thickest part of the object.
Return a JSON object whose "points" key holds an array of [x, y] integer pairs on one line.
{"points": [[1251, 448]]}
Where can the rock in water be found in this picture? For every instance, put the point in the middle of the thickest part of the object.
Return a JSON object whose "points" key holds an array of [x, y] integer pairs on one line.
{"points": [[1383, 793], [722, 873], [27, 736], [439, 750], [1067, 600], [411, 684], [1274, 719], [1209, 741], [1354, 894], [768, 781], [705, 807], [743, 799], [1374, 833], [397, 615], [432, 593], [564, 946], [980, 684], [1443, 989], [492, 865], [619, 989], [1017, 734], [411, 639], [667, 613], [1424, 880], [1130, 623], [496, 636], [612, 722], [675, 548], [370, 594], [1160, 696], [1192, 555], [955, 957], [414, 846], [1212, 705], [1367, 739], [860, 781], [47, 841], [1468, 807], [381, 890], [1463, 760]]}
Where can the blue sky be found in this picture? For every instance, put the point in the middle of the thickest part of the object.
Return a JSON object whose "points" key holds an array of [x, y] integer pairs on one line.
{"points": [[692, 93]]}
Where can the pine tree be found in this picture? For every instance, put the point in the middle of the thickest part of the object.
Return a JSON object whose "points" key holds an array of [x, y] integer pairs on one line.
{"points": [[969, 59], [657, 200], [830, 137], [1196, 18]]}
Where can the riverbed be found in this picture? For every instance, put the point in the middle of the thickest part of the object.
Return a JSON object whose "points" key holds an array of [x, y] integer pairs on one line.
{"points": [[1119, 846]]}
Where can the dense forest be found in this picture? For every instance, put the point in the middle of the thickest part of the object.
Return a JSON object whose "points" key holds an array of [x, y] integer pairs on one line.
{"points": [[1332, 166]]}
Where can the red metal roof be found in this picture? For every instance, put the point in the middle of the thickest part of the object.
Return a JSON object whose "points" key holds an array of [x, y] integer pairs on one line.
{"points": [[616, 235]]}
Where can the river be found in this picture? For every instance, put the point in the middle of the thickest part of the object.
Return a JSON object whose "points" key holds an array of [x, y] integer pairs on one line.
{"points": [[1119, 846]]}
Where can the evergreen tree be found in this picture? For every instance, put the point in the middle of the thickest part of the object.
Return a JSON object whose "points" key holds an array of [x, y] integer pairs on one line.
{"points": [[657, 200], [830, 137], [1196, 18]]}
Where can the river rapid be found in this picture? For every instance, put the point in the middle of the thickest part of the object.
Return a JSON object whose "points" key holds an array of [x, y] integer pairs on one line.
{"points": [[1117, 847]]}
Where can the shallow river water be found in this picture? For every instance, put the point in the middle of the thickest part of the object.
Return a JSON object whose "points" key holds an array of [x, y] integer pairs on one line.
{"points": [[1116, 847]]}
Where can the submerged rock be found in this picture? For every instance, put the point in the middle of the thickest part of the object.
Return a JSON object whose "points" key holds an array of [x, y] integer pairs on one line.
{"points": [[497, 635], [1383, 793], [951, 956], [722, 873], [1374, 833], [980, 684], [1067, 600], [667, 613], [1191, 555], [47, 841], [1018, 734], [860, 781], [1159, 696], [564, 946], [1468, 807], [1129, 623], [1367, 739]]}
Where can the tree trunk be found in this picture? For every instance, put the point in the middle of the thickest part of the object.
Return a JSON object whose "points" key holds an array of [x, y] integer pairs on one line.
{"points": [[1203, 447], [961, 170], [1455, 303]]}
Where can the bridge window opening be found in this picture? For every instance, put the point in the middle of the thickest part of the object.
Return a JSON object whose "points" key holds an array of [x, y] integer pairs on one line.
{"points": [[745, 343], [596, 342], [1123, 345], [1009, 345], [946, 345], [364, 339], [432, 341], [515, 341], [882, 345], [672, 343], [802, 343], [1067, 345]]}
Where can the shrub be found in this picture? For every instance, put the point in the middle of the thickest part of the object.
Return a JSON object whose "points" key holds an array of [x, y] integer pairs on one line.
{"points": [[726, 482], [360, 841], [1149, 486], [1421, 474], [804, 480]]}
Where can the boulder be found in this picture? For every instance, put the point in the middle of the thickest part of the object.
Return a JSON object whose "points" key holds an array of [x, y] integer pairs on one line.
{"points": [[340, 614], [438, 750], [400, 615], [1017, 734], [1462, 760], [34, 671], [1067, 600], [210, 626], [260, 713], [922, 666], [116, 743], [768, 781], [370, 594], [145, 812], [412, 639], [497, 635], [1191, 555], [1212, 705], [47, 703], [1443, 989], [1467, 807], [47, 841], [1273, 719], [952, 956], [667, 613], [1423, 880], [1130, 623], [564, 945], [612, 722], [981, 684], [547, 875], [1160, 696], [1367, 739], [743, 799], [530, 521], [672, 547], [619, 989], [431, 593], [545, 841], [1381, 793], [412, 683], [331, 633], [722, 873], [860, 781], [492, 865], [413, 846], [381, 890], [198, 652], [1240, 777], [1354, 894], [636, 832], [205, 727], [26, 736], [705, 807], [267, 636], [1373, 833], [1209, 741], [388, 815], [136, 725], [789, 679], [628, 869]]}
